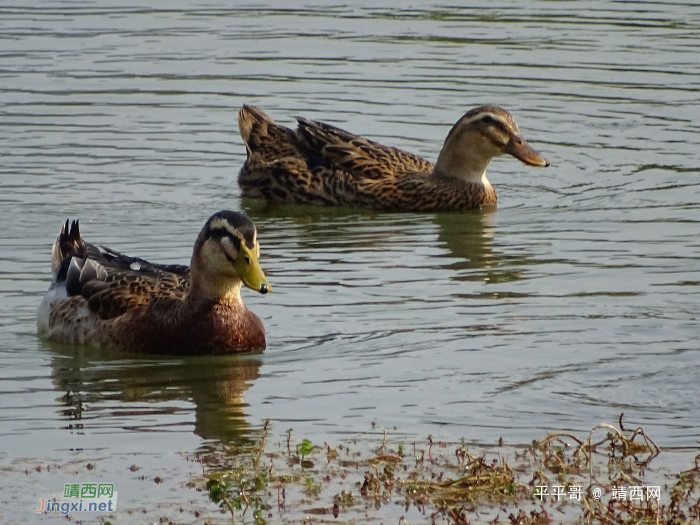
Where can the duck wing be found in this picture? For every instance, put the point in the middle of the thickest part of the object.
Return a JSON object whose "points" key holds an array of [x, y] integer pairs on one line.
{"points": [[124, 262], [123, 291], [111, 282], [356, 155]]}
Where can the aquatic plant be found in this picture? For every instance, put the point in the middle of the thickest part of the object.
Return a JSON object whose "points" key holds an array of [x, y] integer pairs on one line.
{"points": [[456, 483]]}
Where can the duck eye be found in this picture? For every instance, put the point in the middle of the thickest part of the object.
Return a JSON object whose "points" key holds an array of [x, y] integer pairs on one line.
{"points": [[488, 119]]}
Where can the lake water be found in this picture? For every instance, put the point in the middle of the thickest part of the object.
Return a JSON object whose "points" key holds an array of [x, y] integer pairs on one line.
{"points": [[575, 300]]}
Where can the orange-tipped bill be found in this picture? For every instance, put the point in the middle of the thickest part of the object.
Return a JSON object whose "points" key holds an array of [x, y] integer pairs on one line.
{"points": [[522, 151]]}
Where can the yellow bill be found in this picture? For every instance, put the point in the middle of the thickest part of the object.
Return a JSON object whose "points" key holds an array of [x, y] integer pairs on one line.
{"points": [[249, 270]]}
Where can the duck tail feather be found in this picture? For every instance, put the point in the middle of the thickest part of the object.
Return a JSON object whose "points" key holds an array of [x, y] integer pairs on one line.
{"points": [[263, 135], [68, 243]]}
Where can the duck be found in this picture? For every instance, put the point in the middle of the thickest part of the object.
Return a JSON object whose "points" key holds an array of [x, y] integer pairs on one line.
{"points": [[321, 164], [104, 299]]}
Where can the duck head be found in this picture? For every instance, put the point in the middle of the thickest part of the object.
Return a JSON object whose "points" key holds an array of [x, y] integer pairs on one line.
{"points": [[226, 255], [480, 135]]}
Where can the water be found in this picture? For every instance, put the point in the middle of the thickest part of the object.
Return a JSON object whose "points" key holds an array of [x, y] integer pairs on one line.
{"points": [[576, 300]]}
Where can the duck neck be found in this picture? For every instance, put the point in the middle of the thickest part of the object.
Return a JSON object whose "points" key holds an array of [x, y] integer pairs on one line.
{"points": [[207, 294], [213, 289], [465, 163]]}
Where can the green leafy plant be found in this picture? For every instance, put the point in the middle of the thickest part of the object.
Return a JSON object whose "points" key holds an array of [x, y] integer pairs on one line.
{"points": [[304, 448], [218, 493], [260, 481], [232, 498], [311, 487]]}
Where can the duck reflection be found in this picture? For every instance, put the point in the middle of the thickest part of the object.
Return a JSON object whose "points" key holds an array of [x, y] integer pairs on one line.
{"points": [[468, 237], [147, 386]]}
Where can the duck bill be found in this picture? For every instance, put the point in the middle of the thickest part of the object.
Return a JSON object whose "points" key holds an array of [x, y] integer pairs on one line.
{"points": [[250, 272], [522, 151]]}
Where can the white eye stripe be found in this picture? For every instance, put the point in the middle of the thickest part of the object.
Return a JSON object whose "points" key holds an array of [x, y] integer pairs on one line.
{"points": [[228, 247], [221, 224], [224, 225], [481, 115]]}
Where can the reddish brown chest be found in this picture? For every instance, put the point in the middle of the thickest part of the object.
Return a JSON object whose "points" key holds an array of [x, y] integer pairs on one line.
{"points": [[220, 329]]}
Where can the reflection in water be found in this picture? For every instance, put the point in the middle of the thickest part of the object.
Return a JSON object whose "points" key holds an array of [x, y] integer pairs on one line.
{"points": [[469, 237], [145, 387], [315, 225]]}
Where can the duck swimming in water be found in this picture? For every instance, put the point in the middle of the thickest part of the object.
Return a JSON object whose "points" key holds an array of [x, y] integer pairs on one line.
{"points": [[105, 299], [321, 164]]}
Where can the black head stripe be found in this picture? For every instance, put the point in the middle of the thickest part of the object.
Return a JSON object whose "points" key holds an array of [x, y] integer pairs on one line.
{"points": [[503, 119], [504, 128], [234, 224], [220, 233], [249, 235]]}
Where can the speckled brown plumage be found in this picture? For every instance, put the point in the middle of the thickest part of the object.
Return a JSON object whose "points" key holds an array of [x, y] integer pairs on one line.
{"points": [[109, 300], [321, 164]]}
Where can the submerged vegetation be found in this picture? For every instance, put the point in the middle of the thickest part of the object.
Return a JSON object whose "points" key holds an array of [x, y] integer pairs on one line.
{"points": [[603, 478]]}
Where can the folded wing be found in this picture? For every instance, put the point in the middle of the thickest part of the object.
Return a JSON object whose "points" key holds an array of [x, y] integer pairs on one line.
{"points": [[112, 283]]}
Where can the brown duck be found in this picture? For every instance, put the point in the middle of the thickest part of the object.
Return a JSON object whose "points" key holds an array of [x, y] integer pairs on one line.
{"points": [[321, 164], [104, 299]]}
